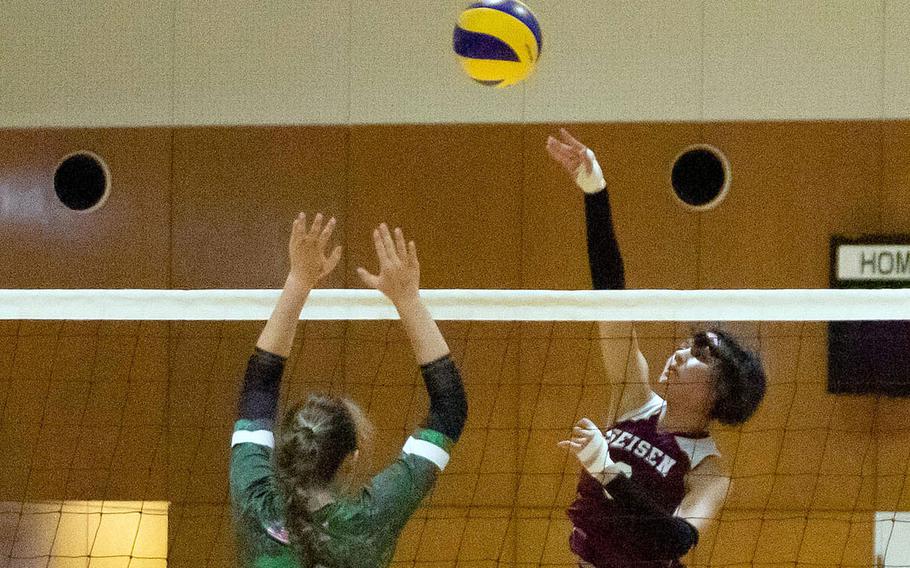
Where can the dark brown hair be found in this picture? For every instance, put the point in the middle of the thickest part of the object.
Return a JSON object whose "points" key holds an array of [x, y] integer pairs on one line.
{"points": [[315, 438], [740, 380]]}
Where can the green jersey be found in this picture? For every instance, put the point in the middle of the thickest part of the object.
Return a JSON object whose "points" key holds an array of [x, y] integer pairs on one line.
{"points": [[359, 531]]}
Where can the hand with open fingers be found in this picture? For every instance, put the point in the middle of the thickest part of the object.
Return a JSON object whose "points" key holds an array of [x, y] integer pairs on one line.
{"points": [[399, 270], [307, 250], [578, 160], [589, 446]]}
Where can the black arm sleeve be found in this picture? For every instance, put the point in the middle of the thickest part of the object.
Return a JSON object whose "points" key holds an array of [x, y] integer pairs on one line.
{"points": [[607, 272], [261, 384], [448, 403], [665, 536]]}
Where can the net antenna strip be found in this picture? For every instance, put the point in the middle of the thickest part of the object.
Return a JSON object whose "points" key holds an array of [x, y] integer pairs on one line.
{"points": [[466, 305]]}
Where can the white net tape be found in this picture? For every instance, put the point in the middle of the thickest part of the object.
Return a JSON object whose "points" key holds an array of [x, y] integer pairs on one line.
{"points": [[473, 305]]}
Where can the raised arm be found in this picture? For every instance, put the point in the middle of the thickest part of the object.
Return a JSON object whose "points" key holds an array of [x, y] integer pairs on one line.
{"points": [[398, 490], [624, 364], [309, 264], [399, 280], [253, 440]]}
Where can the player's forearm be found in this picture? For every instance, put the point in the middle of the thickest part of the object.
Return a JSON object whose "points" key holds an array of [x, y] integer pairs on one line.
{"points": [[278, 334], [426, 339], [604, 258], [630, 382], [262, 380], [261, 387], [668, 536], [448, 402]]}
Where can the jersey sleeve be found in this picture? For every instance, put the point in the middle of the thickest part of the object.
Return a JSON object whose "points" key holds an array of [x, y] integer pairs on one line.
{"points": [[261, 386], [654, 404], [398, 490], [251, 467], [604, 257]]}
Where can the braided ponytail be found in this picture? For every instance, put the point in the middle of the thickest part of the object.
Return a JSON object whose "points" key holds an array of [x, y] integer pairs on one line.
{"points": [[315, 439]]}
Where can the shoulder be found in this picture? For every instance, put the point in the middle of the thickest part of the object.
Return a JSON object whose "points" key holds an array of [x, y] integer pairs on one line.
{"points": [[260, 524], [712, 465], [707, 487], [698, 450], [410, 477]]}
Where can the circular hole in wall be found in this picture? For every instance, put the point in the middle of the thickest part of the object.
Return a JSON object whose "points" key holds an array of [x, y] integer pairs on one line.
{"points": [[700, 177], [82, 181]]}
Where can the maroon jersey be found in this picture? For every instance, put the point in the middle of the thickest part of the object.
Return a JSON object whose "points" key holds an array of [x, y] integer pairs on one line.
{"points": [[659, 462]]}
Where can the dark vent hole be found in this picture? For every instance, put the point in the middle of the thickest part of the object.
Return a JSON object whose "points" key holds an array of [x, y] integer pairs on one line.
{"points": [[81, 181]]}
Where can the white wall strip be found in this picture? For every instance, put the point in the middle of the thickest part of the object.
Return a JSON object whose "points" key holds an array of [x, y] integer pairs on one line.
{"points": [[476, 305]]}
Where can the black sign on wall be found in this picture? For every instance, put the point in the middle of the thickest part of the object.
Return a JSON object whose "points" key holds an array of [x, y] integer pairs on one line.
{"points": [[869, 357]]}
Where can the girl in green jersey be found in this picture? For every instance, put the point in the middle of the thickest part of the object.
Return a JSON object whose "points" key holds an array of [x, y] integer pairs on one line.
{"points": [[287, 510]]}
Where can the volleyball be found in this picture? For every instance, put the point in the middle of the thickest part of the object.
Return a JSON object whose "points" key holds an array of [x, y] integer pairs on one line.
{"points": [[498, 42]]}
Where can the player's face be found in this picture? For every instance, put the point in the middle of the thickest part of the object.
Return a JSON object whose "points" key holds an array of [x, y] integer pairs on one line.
{"points": [[692, 365]]}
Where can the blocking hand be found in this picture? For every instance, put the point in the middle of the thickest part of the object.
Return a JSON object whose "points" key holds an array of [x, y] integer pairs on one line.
{"points": [[307, 250], [399, 270]]}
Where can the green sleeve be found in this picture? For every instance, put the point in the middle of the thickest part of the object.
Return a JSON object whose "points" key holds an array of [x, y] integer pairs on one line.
{"points": [[251, 472], [397, 491], [258, 512]]}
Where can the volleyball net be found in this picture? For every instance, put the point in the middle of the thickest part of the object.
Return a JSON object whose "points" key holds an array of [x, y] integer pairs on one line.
{"points": [[117, 409]]}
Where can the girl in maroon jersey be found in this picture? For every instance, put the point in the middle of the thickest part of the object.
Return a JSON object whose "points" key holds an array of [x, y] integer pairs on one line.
{"points": [[655, 478]]}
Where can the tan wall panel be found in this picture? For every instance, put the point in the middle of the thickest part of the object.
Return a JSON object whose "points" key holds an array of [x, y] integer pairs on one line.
{"points": [[123, 245], [816, 59], [415, 77], [276, 63], [95, 63], [455, 190], [182, 62], [236, 193], [897, 56], [618, 61]]}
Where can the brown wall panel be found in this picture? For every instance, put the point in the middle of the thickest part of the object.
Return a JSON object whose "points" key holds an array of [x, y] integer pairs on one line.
{"points": [[484, 202], [153, 403], [455, 190], [895, 203], [46, 245], [237, 191], [658, 238], [794, 185]]}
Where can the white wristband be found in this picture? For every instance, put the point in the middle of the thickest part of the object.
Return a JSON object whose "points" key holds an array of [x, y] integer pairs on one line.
{"points": [[595, 457], [427, 450], [590, 182]]}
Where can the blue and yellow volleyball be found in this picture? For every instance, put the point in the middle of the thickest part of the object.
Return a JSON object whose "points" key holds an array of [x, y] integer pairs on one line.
{"points": [[498, 42]]}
